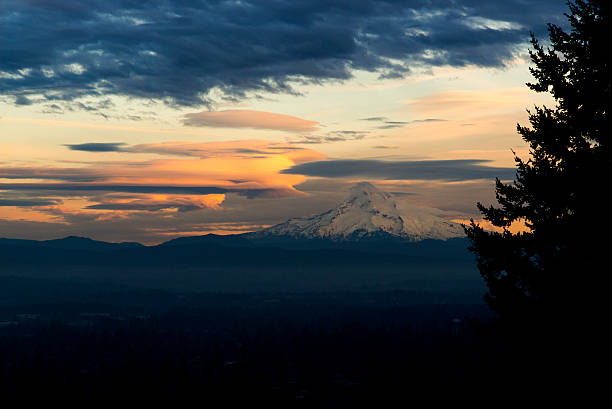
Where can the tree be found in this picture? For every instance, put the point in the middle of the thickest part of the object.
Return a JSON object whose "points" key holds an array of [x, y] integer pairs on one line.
{"points": [[553, 270]]}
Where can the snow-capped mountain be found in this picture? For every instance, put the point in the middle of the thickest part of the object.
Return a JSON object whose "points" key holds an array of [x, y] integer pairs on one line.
{"points": [[368, 212]]}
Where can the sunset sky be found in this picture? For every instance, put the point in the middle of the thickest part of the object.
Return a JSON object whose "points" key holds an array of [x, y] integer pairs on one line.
{"points": [[147, 120]]}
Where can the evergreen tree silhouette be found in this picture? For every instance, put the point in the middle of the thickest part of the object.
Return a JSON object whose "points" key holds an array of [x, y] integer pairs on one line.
{"points": [[552, 272]]}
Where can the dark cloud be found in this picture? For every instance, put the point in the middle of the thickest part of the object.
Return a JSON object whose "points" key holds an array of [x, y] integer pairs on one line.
{"points": [[184, 190], [28, 202], [375, 119], [446, 170], [428, 120], [147, 207], [53, 109], [22, 100], [97, 147], [147, 189], [174, 149], [60, 50], [387, 124], [64, 174], [391, 126], [334, 136]]}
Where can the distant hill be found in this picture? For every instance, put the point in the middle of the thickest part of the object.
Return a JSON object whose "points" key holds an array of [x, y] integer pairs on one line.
{"points": [[71, 243], [227, 250], [238, 264]]}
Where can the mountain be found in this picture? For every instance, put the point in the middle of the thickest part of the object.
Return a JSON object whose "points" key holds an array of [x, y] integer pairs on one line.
{"points": [[367, 213]]}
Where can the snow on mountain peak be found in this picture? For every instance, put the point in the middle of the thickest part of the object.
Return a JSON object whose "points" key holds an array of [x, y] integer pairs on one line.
{"points": [[366, 192], [369, 212]]}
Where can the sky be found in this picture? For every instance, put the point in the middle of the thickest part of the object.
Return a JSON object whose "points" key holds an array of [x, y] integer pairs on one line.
{"points": [[148, 120]]}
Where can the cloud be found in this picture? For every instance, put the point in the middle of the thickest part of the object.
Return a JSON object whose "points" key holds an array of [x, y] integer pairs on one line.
{"points": [[387, 124], [127, 188], [28, 202], [243, 118], [401, 194], [330, 137], [203, 150], [416, 121], [180, 52], [97, 147], [63, 174], [150, 189], [444, 170], [154, 204], [189, 177], [22, 100]]}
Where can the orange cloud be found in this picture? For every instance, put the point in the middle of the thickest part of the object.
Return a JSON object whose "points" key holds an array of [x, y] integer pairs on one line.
{"points": [[236, 165], [157, 202], [200, 179], [244, 118]]}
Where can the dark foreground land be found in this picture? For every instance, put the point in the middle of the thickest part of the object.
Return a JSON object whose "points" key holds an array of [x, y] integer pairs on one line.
{"points": [[280, 348], [284, 349], [211, 326]]}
